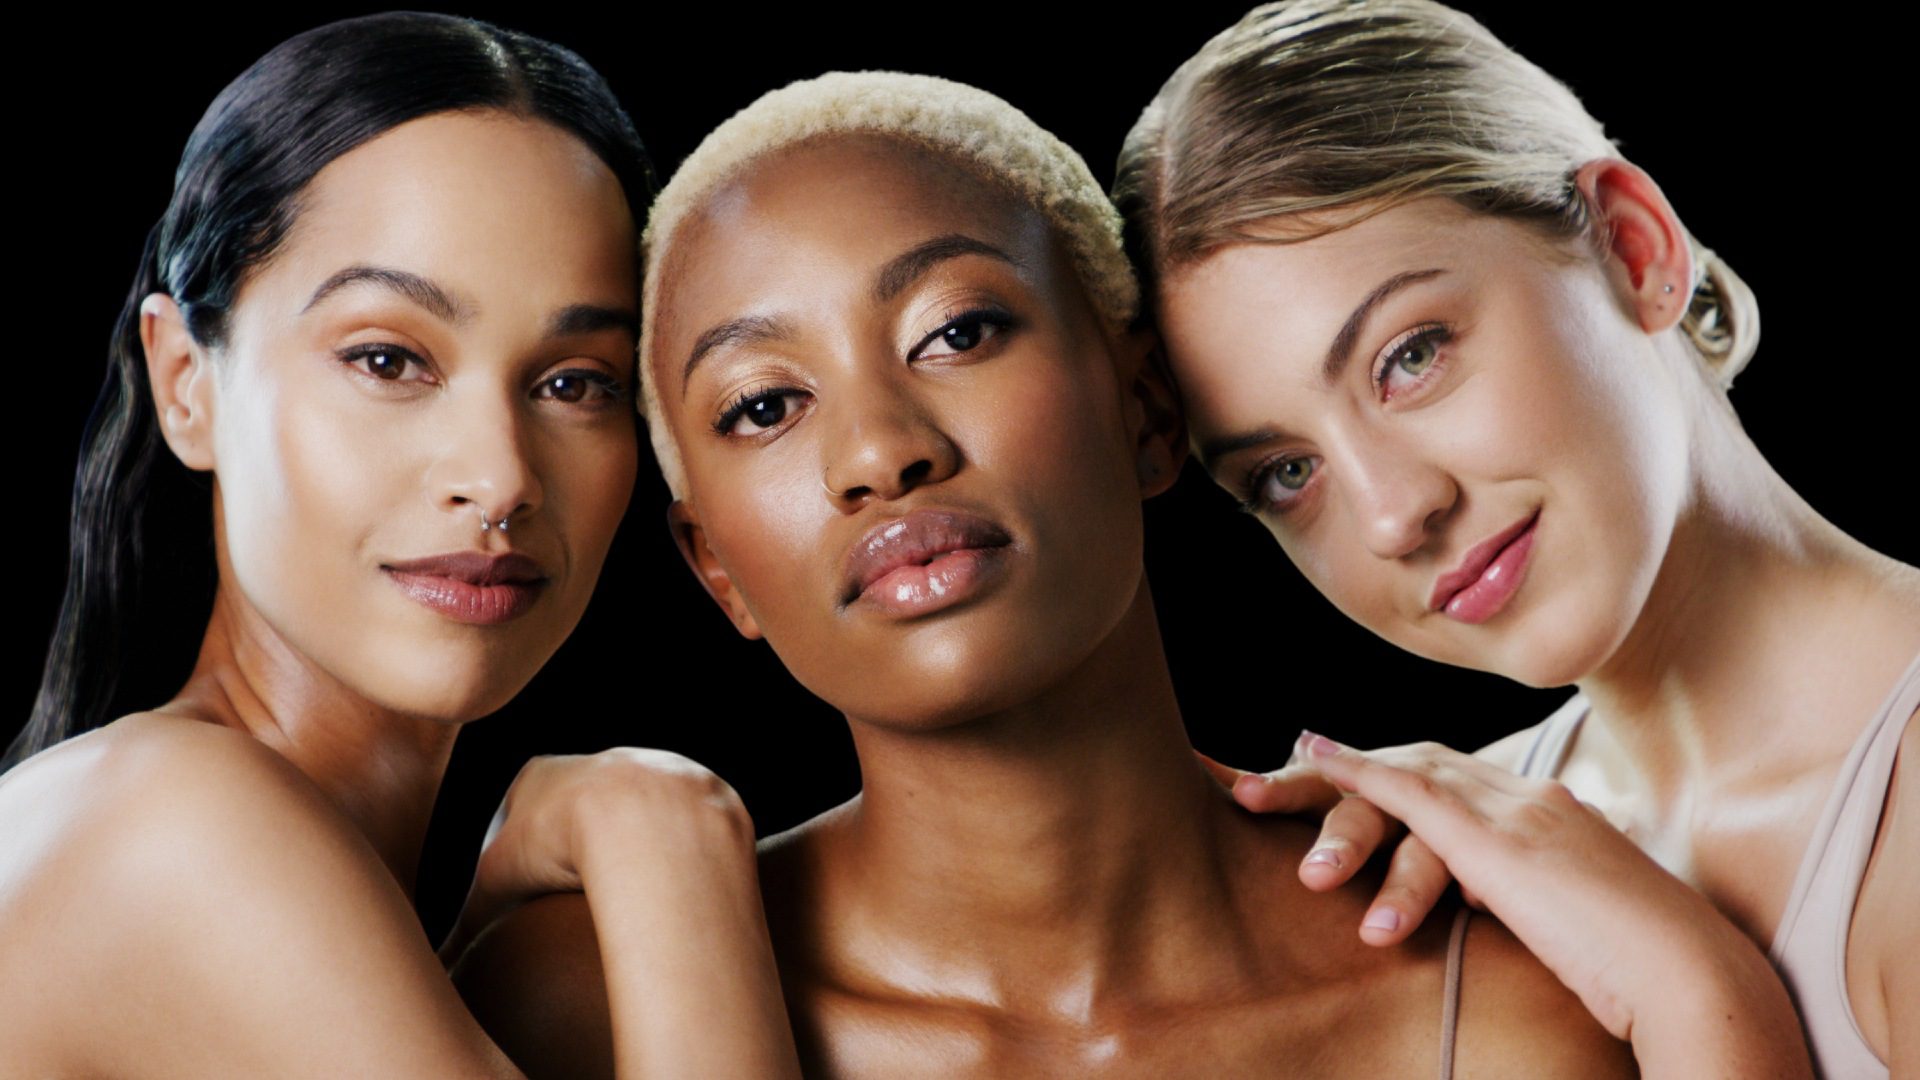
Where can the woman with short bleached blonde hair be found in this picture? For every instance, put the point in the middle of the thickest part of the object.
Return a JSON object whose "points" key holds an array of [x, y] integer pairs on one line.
{"points": [[1471, 370]]}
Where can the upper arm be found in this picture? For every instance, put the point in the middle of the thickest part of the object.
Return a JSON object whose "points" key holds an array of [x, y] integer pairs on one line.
{"points": [[1884, 945], [199, 891], [534, 981], [1516, 1019]]}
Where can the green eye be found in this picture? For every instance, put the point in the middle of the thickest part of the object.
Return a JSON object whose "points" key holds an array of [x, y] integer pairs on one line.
{"points": [[1417, 357], [1293, 473]]}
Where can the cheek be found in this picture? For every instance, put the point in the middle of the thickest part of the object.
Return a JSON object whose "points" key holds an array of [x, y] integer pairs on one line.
{"points": [[303, 483]]}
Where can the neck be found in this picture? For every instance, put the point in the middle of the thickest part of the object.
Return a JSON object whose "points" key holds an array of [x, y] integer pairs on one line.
{"points": [[1061, 852], [381, 770], [1763, 614]]}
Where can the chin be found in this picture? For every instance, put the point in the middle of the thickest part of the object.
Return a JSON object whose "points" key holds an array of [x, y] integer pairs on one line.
{"points": [[945, 679]]}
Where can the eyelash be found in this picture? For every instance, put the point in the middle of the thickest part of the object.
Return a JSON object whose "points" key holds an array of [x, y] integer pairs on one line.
{"points": [[612, 389], [1001, 321]]}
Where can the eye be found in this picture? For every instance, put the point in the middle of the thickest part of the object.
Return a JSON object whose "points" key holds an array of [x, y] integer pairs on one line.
{"points": [[1278, 482], [388, 363], [963, 333], [576, 386], [1411, 359], [755, 411]]}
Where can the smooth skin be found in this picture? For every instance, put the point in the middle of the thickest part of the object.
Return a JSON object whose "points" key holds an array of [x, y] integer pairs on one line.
{"points": [[1037, 878], [1731, 641], [447, 331]]}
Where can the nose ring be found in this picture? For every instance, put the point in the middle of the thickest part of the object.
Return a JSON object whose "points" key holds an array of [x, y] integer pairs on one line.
{"points": [[500, 525]]}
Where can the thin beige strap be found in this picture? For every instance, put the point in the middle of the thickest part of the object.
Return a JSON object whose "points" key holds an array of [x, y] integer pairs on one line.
{"points": [[1450, 1000]]}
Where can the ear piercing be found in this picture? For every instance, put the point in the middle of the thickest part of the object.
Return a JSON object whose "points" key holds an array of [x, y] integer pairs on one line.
{"points": [[1668, 287]]}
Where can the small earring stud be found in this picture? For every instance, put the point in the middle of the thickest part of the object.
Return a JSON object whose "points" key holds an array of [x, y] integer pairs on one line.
{"points": [[1668, 287]]}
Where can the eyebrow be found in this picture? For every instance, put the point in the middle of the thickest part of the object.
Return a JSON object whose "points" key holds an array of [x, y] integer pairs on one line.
{"points": [[412, 286], [748, 330], [591, 319], [900, 271], [906, 268], [1342, 347], [1338, 354]]}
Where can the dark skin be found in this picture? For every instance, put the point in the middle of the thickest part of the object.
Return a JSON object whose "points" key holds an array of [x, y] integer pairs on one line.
{"points": [[1038, 877]]}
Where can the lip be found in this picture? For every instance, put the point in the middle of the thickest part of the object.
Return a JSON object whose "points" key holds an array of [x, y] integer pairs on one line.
{"points": [[1488, 576], [471, 587], [923, 562]]}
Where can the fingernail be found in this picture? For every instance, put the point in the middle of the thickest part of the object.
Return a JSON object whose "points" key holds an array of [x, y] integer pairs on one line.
{"points": [[1319, 745], [1382, 918], [1323, 856]]}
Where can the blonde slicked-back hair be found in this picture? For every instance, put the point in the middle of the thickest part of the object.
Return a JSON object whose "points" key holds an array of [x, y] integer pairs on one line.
{"points": [[970, 125], [1308, 116]]}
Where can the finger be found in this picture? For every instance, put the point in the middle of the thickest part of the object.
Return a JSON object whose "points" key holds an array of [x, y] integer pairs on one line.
{"points": [[1353, 830], [1292, 790], [1416, 755], [1415, 881], [1224, 775], [1445, 807]]}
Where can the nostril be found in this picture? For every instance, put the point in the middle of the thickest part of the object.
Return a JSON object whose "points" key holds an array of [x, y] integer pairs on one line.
{"points": [[916, 472]]}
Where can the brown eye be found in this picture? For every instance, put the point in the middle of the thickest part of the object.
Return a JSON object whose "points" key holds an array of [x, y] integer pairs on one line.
{"points": [[388, 363], [389, 366]]}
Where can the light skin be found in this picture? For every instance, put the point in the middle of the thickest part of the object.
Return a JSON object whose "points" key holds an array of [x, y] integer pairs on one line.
{"points": [[1731, 641], [1037, 879], [447, 331]]}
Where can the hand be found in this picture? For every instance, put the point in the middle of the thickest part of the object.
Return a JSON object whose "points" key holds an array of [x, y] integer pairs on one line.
{"points": [[1650, 958], [1351, 830], [541, 835]]}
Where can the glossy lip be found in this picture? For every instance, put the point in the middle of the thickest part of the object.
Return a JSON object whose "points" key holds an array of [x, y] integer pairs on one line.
{"points": [[1488, 576], [923, 561], [470, 586]]}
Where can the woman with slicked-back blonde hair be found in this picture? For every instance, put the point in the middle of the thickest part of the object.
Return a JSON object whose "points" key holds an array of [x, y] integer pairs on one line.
{"points": [[1469, 368]]}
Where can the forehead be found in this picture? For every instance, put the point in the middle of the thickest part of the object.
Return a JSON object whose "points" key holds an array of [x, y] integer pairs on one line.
{"points": [[802, 229], [482, 200]]}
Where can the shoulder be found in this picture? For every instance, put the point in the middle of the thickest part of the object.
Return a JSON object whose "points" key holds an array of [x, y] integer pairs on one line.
{"points": [[197, 881], [1517, 1019], [1510, 751], [534, 981]]}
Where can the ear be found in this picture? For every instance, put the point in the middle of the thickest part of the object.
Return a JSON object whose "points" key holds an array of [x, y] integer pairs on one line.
{"points": [[181, 377], [1643, 236], [691, 539], [1153, 412]]}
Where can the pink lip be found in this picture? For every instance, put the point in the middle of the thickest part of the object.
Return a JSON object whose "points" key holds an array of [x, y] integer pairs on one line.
{"points": [[923, 562], [1488, 576], [471, 587]]}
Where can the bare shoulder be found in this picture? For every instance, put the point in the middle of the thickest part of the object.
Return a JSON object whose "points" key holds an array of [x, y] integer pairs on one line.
{"points": [[1510, 751], [190, 881], [1516, 1019], [534, 981]]}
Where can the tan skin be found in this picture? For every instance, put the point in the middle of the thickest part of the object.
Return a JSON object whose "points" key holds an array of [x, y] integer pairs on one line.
{"points": [[1731, 641], [228, 876], [1037, 878]]}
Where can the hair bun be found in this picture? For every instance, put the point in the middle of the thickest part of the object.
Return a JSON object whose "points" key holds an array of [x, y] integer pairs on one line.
{"points": [[1723, 317]]}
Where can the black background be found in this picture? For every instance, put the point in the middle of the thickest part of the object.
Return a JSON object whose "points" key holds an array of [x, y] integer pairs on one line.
{"points": [[1763, 134]]}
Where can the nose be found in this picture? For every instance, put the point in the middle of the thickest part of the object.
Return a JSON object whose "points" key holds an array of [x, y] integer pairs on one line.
{"points": [[1399, 497], [883, 445], [484, 469]]}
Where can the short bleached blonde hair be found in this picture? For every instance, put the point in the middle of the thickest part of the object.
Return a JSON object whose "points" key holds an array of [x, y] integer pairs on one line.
{"points": [[974, 127]]}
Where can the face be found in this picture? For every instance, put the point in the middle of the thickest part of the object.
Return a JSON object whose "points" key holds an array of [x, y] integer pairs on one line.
{"points": [[446, 333], [1459, 430], [911, 449]]}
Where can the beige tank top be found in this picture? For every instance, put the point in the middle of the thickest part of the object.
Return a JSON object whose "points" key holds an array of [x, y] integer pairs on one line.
{"points": [[1810, 947]]}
